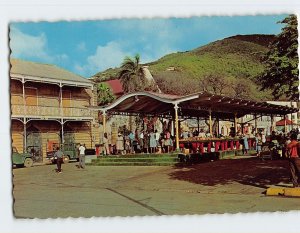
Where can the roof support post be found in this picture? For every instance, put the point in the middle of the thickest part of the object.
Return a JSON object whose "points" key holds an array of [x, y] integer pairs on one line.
{"points": [[61, 100], [62, 132], [255, 124], [24, 137], [218, 127], [272, 123], [235, 123], [285, 126], [176, 126], [210, 123], [104, 121], [24, 116]]}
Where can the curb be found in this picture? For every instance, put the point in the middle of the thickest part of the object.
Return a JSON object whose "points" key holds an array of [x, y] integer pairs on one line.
{"points": [[287, 192]]}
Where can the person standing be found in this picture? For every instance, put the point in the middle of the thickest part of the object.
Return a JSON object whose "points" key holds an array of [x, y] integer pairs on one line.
{"points": [[106, 145], [81, 156], [157, 136], [141, 141], [263, 137], [246, 145], [293, 153], [120, 144], [131, 138], [59, 159], [152, 142], [258, 143]]}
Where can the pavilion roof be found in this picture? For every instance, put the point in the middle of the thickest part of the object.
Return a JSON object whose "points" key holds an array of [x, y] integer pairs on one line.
{"points": [[193, 105]]}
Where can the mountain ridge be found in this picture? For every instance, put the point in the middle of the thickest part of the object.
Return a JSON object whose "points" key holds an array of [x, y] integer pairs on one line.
{"points": [[234, 59]]}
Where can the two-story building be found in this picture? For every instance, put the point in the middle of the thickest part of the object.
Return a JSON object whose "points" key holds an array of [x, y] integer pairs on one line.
{"points": [[49, 105]]}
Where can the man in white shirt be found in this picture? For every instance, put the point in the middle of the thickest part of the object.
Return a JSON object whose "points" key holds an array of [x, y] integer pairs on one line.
{"points": [[81, 156]]}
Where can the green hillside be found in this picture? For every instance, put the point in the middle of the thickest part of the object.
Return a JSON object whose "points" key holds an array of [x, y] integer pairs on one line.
{"points": [[234, 60]]}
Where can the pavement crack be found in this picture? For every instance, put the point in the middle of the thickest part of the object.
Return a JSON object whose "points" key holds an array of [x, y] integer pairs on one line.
{"points": [[137, 202]]}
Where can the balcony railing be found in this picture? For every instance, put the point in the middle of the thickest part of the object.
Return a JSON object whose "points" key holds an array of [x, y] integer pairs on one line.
{"points": [[49, 111]]}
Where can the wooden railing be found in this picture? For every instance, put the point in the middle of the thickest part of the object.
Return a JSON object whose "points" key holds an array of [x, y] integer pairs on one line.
{"points": [[50, 111]]}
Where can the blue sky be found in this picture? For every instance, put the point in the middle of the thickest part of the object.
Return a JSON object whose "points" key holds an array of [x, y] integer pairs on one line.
{"points": [[87, 47]]}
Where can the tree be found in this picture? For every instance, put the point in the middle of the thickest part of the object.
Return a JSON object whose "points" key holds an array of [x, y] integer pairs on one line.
{"points": [[215, 84], [281, 74], [105, 95], [132, 74], [241, 89]]}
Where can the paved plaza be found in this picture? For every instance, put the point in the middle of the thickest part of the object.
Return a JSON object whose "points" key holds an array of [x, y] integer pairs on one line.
{"points": [[232, 186]]}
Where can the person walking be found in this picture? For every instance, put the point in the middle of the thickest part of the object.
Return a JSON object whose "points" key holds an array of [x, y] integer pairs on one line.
{"points": [[293, 153], [59, 159], [81, 156]]}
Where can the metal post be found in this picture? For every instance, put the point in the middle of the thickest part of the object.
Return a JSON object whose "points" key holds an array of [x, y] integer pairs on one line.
{"points": [[176, 126], [272, 123], [61, 100], [104, 121], [255, 123], [25, 138], [198, 125], [218, 129], [62, 132], [210, 123], [235, 123], [24, 117], [285, 126]]}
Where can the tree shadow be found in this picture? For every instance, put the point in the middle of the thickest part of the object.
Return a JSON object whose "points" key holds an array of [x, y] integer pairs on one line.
{"points": [[250, 171]]}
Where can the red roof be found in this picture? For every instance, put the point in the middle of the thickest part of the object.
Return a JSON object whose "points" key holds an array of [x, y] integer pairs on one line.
{"points": [[116, 86], [281, 122]]}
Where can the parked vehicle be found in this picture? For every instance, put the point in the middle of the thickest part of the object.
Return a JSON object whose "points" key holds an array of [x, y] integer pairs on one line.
{"points": [[21, 159], [69, 150]]}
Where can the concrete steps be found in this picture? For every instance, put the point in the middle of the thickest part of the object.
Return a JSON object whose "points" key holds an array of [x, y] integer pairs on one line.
{"points": [[136, 160]]}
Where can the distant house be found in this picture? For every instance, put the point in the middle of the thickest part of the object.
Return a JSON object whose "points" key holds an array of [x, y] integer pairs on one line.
{"points": [[49, 106], [116, 87]]}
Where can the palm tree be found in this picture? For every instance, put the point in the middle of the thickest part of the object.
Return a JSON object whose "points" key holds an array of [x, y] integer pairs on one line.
{"points": [[132, 74]]}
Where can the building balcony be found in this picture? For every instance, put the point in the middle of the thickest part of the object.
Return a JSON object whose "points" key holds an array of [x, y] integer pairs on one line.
{"points": [[50, 111]]}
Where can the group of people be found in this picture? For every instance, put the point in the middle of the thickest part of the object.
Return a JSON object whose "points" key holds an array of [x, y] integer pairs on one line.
{"points": [[144, 141], [59, 156], [290, 149]]}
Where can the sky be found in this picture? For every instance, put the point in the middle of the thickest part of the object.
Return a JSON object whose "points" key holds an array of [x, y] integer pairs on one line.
{"points": [[88, 47]]}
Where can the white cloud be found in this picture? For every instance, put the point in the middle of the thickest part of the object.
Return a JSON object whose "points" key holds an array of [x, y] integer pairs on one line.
{"points": [[26, 46], [32, 47], [110, 55]]}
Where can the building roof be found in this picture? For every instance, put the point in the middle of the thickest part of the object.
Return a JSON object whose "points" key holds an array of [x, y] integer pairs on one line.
{"points": [[193, 105], [116, 86], [47, 72]]}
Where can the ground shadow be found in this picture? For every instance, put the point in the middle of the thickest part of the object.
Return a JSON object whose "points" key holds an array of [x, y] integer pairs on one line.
{"points": [[251, 171]]}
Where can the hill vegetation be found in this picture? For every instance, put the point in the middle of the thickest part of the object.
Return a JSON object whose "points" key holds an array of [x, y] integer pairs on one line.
{"points": [[229, 66]]}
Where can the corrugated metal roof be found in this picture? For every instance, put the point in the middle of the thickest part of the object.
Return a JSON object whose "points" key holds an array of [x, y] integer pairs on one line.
{"points": [[193, 105], [116, 86], [35, 69]]}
